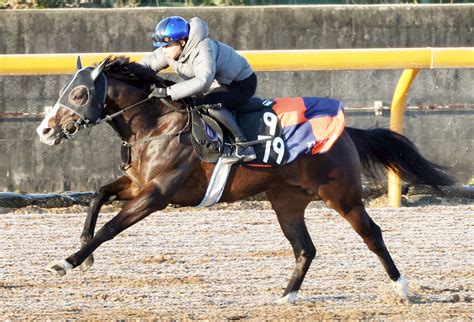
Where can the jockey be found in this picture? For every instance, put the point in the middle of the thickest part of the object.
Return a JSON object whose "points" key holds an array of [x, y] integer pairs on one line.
{"points": [[201, 61]]}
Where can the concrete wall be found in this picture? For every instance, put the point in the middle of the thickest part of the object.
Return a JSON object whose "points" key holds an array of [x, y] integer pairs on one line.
{"points": [[283, 27], [83, 164]]}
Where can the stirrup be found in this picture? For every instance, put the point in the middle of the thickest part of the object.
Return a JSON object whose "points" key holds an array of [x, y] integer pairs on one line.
{"points": [[245, 157]]}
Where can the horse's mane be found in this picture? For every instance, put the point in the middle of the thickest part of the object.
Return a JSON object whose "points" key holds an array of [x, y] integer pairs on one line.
{"points": [[135, 74]]}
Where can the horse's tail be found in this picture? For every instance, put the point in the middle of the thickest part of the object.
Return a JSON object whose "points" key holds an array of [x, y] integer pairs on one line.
{"points": [[397, 153]]}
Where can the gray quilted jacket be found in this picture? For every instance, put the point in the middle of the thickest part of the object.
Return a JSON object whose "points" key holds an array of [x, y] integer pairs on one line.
{"points": [[202, 61]]}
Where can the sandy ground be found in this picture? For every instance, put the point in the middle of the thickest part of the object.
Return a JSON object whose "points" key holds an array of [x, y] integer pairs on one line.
{"points": [[232, 263]]}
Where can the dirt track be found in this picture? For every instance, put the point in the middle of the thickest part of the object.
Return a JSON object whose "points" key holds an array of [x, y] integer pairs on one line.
{"points": [[231, 264]]}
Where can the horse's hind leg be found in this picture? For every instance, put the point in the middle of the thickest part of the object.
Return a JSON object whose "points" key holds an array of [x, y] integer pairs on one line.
{"points": [[335, 177], [102, 195], [372, 237], [289, 204]]}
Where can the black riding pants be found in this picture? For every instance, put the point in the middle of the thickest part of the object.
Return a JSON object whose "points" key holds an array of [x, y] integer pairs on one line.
{"points": [[235, 95]]}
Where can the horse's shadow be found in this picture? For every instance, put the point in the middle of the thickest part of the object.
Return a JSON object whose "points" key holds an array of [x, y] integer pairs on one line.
{"points": [[434, 295], [321, 299], [445, 295], [415, 299], [421, 299]]}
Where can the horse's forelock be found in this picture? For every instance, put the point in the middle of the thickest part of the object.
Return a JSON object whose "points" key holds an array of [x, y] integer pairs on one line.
{"points": [[124, 69]]}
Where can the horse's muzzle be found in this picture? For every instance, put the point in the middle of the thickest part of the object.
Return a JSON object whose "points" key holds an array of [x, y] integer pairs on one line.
{"points": [[48, 135]]}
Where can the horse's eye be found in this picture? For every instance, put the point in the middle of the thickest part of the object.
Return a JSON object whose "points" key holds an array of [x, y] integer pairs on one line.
{"points": [[79, 96]]}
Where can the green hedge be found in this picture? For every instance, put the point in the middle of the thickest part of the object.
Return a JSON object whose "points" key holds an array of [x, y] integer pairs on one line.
{"points": [[25, 4]]}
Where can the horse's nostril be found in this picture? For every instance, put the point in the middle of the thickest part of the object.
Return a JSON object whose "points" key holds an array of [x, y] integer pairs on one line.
{"points": [[46, 130]]}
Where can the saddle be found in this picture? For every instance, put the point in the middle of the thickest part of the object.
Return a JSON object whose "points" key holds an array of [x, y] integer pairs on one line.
{"points": [[208, 138]]}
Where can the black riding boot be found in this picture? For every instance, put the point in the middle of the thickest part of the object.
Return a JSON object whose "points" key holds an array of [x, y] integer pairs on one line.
{"points": [[225, 117]]}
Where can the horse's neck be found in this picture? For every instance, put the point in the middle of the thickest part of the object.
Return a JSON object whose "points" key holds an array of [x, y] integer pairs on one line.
{"points": [[118, 123], [146, 120]]}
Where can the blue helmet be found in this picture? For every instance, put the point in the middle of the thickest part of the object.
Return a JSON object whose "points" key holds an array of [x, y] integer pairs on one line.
{"points": [[170, 30]]}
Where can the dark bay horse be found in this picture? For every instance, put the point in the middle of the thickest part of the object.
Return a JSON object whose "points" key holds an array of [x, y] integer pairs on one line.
{"points": [[164, 171]]}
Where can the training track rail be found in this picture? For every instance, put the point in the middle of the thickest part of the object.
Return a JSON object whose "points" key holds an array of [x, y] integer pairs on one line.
{"points": [[409, 59]]}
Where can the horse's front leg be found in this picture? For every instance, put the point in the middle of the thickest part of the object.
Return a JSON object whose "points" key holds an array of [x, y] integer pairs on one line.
{"points": [[115, 190], [148, 201]]}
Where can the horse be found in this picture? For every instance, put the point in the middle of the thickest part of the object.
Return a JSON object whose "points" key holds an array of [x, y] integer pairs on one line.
{"points": [[165, 171]]}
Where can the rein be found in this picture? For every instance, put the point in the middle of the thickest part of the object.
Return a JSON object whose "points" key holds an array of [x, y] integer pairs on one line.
{"points": [[161, 136], [111, 116], [165, 102], [69, 129], [125, 143]]}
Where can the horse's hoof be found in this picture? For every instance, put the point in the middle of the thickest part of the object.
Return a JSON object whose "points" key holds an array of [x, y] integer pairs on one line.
{"points": [[59, 267], [288, 298], [87, 263], [401, 287]]}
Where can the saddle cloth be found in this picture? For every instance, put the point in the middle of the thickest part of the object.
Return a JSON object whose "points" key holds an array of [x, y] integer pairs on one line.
{"points": [[287, 127], [293, 127]]}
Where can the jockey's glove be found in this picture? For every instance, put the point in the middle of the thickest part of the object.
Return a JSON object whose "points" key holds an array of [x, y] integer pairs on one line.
{"points": [[160, 92]]}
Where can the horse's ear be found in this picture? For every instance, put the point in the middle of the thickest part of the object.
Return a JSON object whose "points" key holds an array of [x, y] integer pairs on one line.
{"points": [[78, 63], [97, 70]]}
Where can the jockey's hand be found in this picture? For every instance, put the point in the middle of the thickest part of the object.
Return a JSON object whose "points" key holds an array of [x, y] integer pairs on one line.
{"points": [[159, 92]]}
